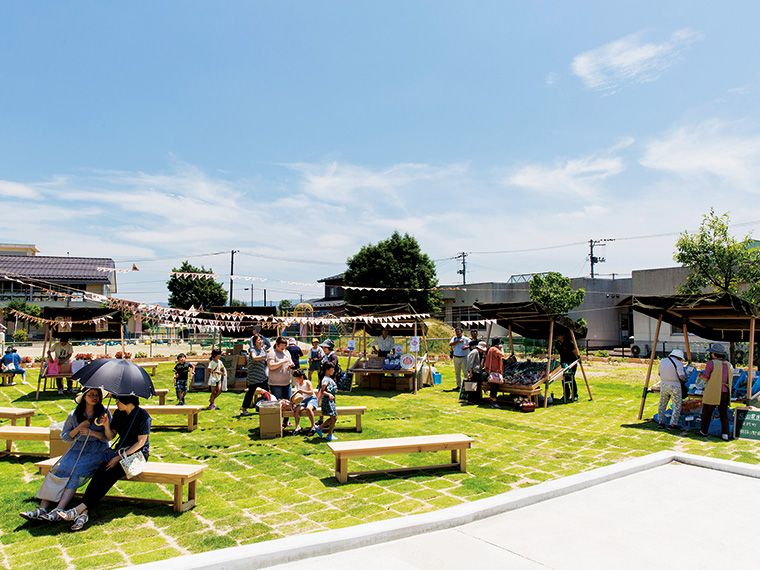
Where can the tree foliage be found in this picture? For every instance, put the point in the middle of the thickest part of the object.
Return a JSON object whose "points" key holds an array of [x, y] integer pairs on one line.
{"points": [[718, 261], [396, 263], [284, 307], [554, 292], [185, 292]]}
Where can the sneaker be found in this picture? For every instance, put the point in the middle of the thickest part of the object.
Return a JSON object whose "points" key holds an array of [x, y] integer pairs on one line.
{"points": [[495, 406], [60, 392], [35, 515], [297, 431], [318, 430], [80, 521], [703, 434], [725, 437], [287, 424], [331, 438], [245, 413]]}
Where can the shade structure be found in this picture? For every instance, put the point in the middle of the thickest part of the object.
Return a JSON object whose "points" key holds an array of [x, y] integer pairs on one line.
{"points": [[117, 376], [529, 319]]}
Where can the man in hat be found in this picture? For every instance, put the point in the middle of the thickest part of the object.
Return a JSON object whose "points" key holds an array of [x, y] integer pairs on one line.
{"points": [[718, 376], [672, 375], [475, 371]]}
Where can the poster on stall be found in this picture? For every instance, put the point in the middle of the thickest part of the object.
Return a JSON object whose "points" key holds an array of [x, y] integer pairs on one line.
{"points": [[351, 345], [414, 344], [398, 350]]}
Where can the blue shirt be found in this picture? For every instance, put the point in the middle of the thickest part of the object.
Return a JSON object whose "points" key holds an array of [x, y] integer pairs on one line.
{"points": [[461, 348], [12, 360]]}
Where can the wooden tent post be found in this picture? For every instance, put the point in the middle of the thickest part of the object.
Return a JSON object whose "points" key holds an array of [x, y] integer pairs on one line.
{"points": [[511, 343], [414, 378], [548, 364], [580, 363], [686, 340], [123, 351], [649, 369], [750, 362], [350, 353], [43, 364]]}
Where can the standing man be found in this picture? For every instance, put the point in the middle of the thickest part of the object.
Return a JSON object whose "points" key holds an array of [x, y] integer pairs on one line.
{"points": [[475, 371], [63, 351], [383, 344], [461, 348], [474, 340]]}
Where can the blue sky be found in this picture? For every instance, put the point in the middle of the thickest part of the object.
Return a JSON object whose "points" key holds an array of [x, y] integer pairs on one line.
{"points": [[296, 132]]}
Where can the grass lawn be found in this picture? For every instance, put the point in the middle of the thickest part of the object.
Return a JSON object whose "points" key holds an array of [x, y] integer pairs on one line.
{"points": [[256, 490]]}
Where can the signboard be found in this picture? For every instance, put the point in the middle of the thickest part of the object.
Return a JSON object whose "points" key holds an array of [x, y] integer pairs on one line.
{"points": [[351, 345], [414, 344], [398, 350], [747, 423]]}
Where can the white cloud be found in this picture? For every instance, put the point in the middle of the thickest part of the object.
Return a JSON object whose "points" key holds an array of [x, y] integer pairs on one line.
{"points": [[727, 151], [576, 176], [551, 78], [630, 60], [16, 190]]}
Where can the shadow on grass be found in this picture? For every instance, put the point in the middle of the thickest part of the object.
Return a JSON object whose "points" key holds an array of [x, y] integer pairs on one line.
{"points": [[652, 426], [380, 477]]}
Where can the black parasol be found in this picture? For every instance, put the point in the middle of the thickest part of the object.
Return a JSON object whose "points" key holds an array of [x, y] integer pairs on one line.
{"points": [[117, 376]]}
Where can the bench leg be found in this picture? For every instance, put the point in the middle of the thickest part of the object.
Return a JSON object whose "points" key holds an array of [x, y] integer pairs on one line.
{"points": [[463, 460], [28, 421], [190, 426], [195, 420], [178, 498], [359, 423], [341, 469], [161, 399], [454, 456]]}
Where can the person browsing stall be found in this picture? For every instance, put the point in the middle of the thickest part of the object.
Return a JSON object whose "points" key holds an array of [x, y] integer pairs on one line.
{"points": [[383, 344], [460, 347], [63, 352], [475, 372], [567, 354], [474, 340], [494, 364], [718, 376], [672, 375], [279, 364]]}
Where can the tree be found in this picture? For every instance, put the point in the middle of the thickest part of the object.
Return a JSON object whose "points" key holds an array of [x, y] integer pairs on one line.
{"points": [[284, 307], [718, 261], [21, 307], [186, 292], [399, 265], [553, 291]]}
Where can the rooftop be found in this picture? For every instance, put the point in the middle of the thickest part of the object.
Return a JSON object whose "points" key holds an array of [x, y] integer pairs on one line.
{"points": [[57, 269]]}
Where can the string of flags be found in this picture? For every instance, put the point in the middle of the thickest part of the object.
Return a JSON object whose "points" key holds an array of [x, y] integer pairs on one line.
{"points": [[115, 270], [193, 276]]}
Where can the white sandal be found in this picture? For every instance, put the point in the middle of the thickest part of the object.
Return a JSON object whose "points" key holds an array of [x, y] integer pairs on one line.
{"points": [[80, 521], [35, 515]]}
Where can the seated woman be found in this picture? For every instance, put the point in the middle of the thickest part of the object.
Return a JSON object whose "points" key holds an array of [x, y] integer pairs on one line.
{"points": [[307, 405], [132, 424], [85, 427]]}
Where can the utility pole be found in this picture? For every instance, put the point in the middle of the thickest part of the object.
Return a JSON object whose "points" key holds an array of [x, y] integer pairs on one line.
{"points": [[594, 260], [463, 271], [232, 270]]}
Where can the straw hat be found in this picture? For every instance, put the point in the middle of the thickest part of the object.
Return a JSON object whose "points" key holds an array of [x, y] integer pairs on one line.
{"points": [[81, 394], [677, 352]]}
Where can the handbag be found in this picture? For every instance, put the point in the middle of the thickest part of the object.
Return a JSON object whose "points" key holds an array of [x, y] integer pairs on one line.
{"points": [[53, 486], [496, 378], [133, 464], [470, 386], [53, 368]]}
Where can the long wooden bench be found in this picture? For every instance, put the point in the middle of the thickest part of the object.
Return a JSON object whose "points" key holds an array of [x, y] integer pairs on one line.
{"points": [[356, 411], [343, 450], [152, 368], [7, 378], [15, 414], [177, 474], [190, 411], [56, 446]]}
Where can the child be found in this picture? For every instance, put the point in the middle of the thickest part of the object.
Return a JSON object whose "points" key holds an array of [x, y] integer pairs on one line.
{"points": [[315, 357], [217, 375], [327, 393], [181, 370], [309, 403]]}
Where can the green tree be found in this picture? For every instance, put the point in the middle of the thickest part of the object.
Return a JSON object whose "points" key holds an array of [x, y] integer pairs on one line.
{"points": [[285, 306], [553, 291], [718, 261], [398, 264], [21, 307], [185, 292]]}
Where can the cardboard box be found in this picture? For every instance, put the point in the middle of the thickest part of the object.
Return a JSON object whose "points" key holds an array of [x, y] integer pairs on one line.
{"points": [[388, 383], [242, 361], [270, 421], [374, 381], [237, 349], [404, 384]]}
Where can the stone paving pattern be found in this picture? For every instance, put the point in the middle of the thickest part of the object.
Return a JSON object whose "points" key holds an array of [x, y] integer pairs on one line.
{"points": [[256, 490]]}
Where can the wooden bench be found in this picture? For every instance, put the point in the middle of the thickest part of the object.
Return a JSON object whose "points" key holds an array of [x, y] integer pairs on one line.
{"points": [[343, 450], [161, 393], [356, 411], [45, 377], [190, 411], [152, 368], [7, 378], [177, 474], [15, 414]]}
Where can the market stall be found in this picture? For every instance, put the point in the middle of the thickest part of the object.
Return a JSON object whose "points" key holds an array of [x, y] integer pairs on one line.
{"points": [[404, 372], [532, 320], [718, 317]]}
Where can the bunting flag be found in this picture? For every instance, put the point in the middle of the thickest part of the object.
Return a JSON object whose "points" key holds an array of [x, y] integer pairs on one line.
{"points": [[193, 276], [118, 270], [61, 323], [479, 322]]}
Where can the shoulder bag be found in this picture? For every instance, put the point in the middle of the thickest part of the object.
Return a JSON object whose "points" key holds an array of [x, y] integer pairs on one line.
{"points": [[684, 387], [53, 486]]}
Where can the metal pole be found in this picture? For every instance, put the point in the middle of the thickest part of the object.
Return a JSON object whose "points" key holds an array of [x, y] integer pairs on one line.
{"points": [[232, 270]]}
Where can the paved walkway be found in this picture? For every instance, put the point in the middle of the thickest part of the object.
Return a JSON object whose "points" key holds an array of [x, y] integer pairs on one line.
{"points": [[652, 512]]}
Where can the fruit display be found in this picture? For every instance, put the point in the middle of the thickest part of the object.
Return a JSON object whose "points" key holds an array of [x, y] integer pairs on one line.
{"points": [[525, 373]]}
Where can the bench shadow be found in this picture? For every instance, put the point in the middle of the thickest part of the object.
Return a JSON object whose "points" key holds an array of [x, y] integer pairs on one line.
{"points": [[651, 426], [379, 477]]}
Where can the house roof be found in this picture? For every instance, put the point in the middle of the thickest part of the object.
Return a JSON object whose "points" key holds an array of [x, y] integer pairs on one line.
{"points": [[62, 270], [333, 278], [529, 319]]}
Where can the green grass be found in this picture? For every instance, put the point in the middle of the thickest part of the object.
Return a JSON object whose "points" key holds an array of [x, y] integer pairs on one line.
{"points": [[256, 490]]}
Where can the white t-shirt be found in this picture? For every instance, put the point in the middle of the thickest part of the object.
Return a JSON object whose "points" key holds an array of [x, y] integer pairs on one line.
{"points": [[279, 376]]}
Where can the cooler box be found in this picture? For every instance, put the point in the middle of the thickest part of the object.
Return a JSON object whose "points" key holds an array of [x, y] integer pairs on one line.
{"points": [[437, 378]]}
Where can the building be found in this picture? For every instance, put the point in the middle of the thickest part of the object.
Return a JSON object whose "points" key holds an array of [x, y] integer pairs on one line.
{"points": [[333, 301]]}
